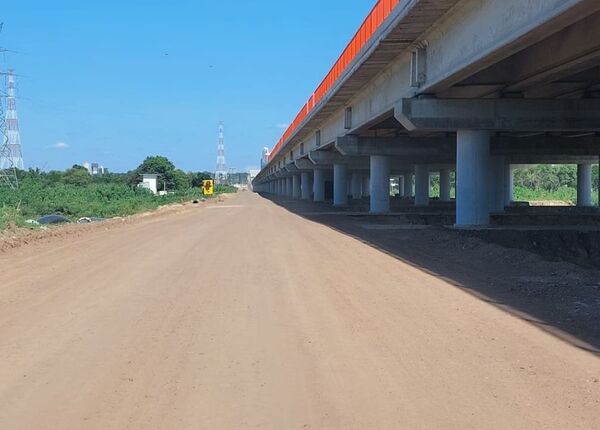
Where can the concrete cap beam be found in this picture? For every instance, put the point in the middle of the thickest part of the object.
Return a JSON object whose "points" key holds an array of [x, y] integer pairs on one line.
{"points": [[429, 114], [291, 168], [547, 145], [328, 159], [304, 165]]}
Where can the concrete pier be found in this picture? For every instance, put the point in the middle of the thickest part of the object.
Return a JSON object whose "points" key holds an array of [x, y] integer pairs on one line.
{"points": [[307, 185], [496, 184], [366, 186], [380, 184], [472, 172], [319, 185], [401, 186], [296, 187], [421, 185], [509, 184], [409, 183], [584, 185], [340, 185], [444, 185], [356, 186]]}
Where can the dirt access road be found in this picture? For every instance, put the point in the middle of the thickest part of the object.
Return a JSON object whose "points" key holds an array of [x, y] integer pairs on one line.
{"points": [[244, 315]]}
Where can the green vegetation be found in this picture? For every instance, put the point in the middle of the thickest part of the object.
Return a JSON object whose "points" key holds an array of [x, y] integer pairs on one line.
{"points": [[74, 193], [538, 183], [550, 182]]}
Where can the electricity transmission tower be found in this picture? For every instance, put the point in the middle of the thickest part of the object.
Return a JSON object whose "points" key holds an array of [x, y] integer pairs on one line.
{"points": [[11, 157], [221, 172]]}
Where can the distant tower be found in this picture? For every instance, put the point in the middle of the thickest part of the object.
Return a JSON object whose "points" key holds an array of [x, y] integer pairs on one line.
{"points": [[11, 157], [221, 173]]}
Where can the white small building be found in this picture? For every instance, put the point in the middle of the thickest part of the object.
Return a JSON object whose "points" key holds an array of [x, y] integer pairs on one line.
{"points": [[150, 182]]}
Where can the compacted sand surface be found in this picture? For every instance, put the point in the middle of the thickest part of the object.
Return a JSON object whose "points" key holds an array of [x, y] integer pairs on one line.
{"points": [[244, 315]]}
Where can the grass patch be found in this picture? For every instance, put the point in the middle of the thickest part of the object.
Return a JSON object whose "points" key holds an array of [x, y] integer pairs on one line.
{"points": [[564, 194]]}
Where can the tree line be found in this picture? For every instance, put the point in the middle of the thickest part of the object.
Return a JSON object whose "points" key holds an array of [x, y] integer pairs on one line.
{"points": [[169, 176]]}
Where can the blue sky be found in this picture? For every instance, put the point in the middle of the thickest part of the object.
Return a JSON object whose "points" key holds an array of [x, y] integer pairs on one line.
{"points": [[114, 81]]}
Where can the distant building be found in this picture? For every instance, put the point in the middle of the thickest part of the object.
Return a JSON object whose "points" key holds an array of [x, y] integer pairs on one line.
{"points": [[95, 169], [252, 173], [150, 182], [265, 157]]}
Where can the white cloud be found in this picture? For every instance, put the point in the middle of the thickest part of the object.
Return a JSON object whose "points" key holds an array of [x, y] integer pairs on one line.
{"points": [[282, 126], [60, 145]]}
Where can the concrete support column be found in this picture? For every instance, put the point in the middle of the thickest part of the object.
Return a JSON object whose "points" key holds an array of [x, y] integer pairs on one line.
{"points": [[340, 185], [421, 185], [282, 186], [380, 184], [289, 187], [349, 185], [296, 187], [319, 185], [366, 185], [509, 184], [445, 185], [307, 185], [496, 185], [401, 186], [356, 186], [409, 182], [584, 185], [472, 171]]}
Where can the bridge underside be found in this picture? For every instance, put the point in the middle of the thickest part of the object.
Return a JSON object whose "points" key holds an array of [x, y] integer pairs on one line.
{"points": [[537, 101]]}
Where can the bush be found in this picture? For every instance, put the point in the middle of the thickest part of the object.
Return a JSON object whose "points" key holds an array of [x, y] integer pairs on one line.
{"points": [[76, 194]]}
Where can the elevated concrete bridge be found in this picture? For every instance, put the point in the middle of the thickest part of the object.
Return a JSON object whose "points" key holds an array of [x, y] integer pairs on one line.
{"points": [[435, 86]]}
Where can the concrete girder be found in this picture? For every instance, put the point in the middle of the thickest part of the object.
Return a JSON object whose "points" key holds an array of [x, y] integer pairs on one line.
{"points": [[403, 146], [569, 51], [429, 114]]}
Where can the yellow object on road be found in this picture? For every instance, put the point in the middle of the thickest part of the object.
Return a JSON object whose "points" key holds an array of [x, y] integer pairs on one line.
{"points": [[208, 187]]}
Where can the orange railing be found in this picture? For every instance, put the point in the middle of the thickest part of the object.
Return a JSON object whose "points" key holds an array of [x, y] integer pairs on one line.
{"points": [[380, 12]]}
